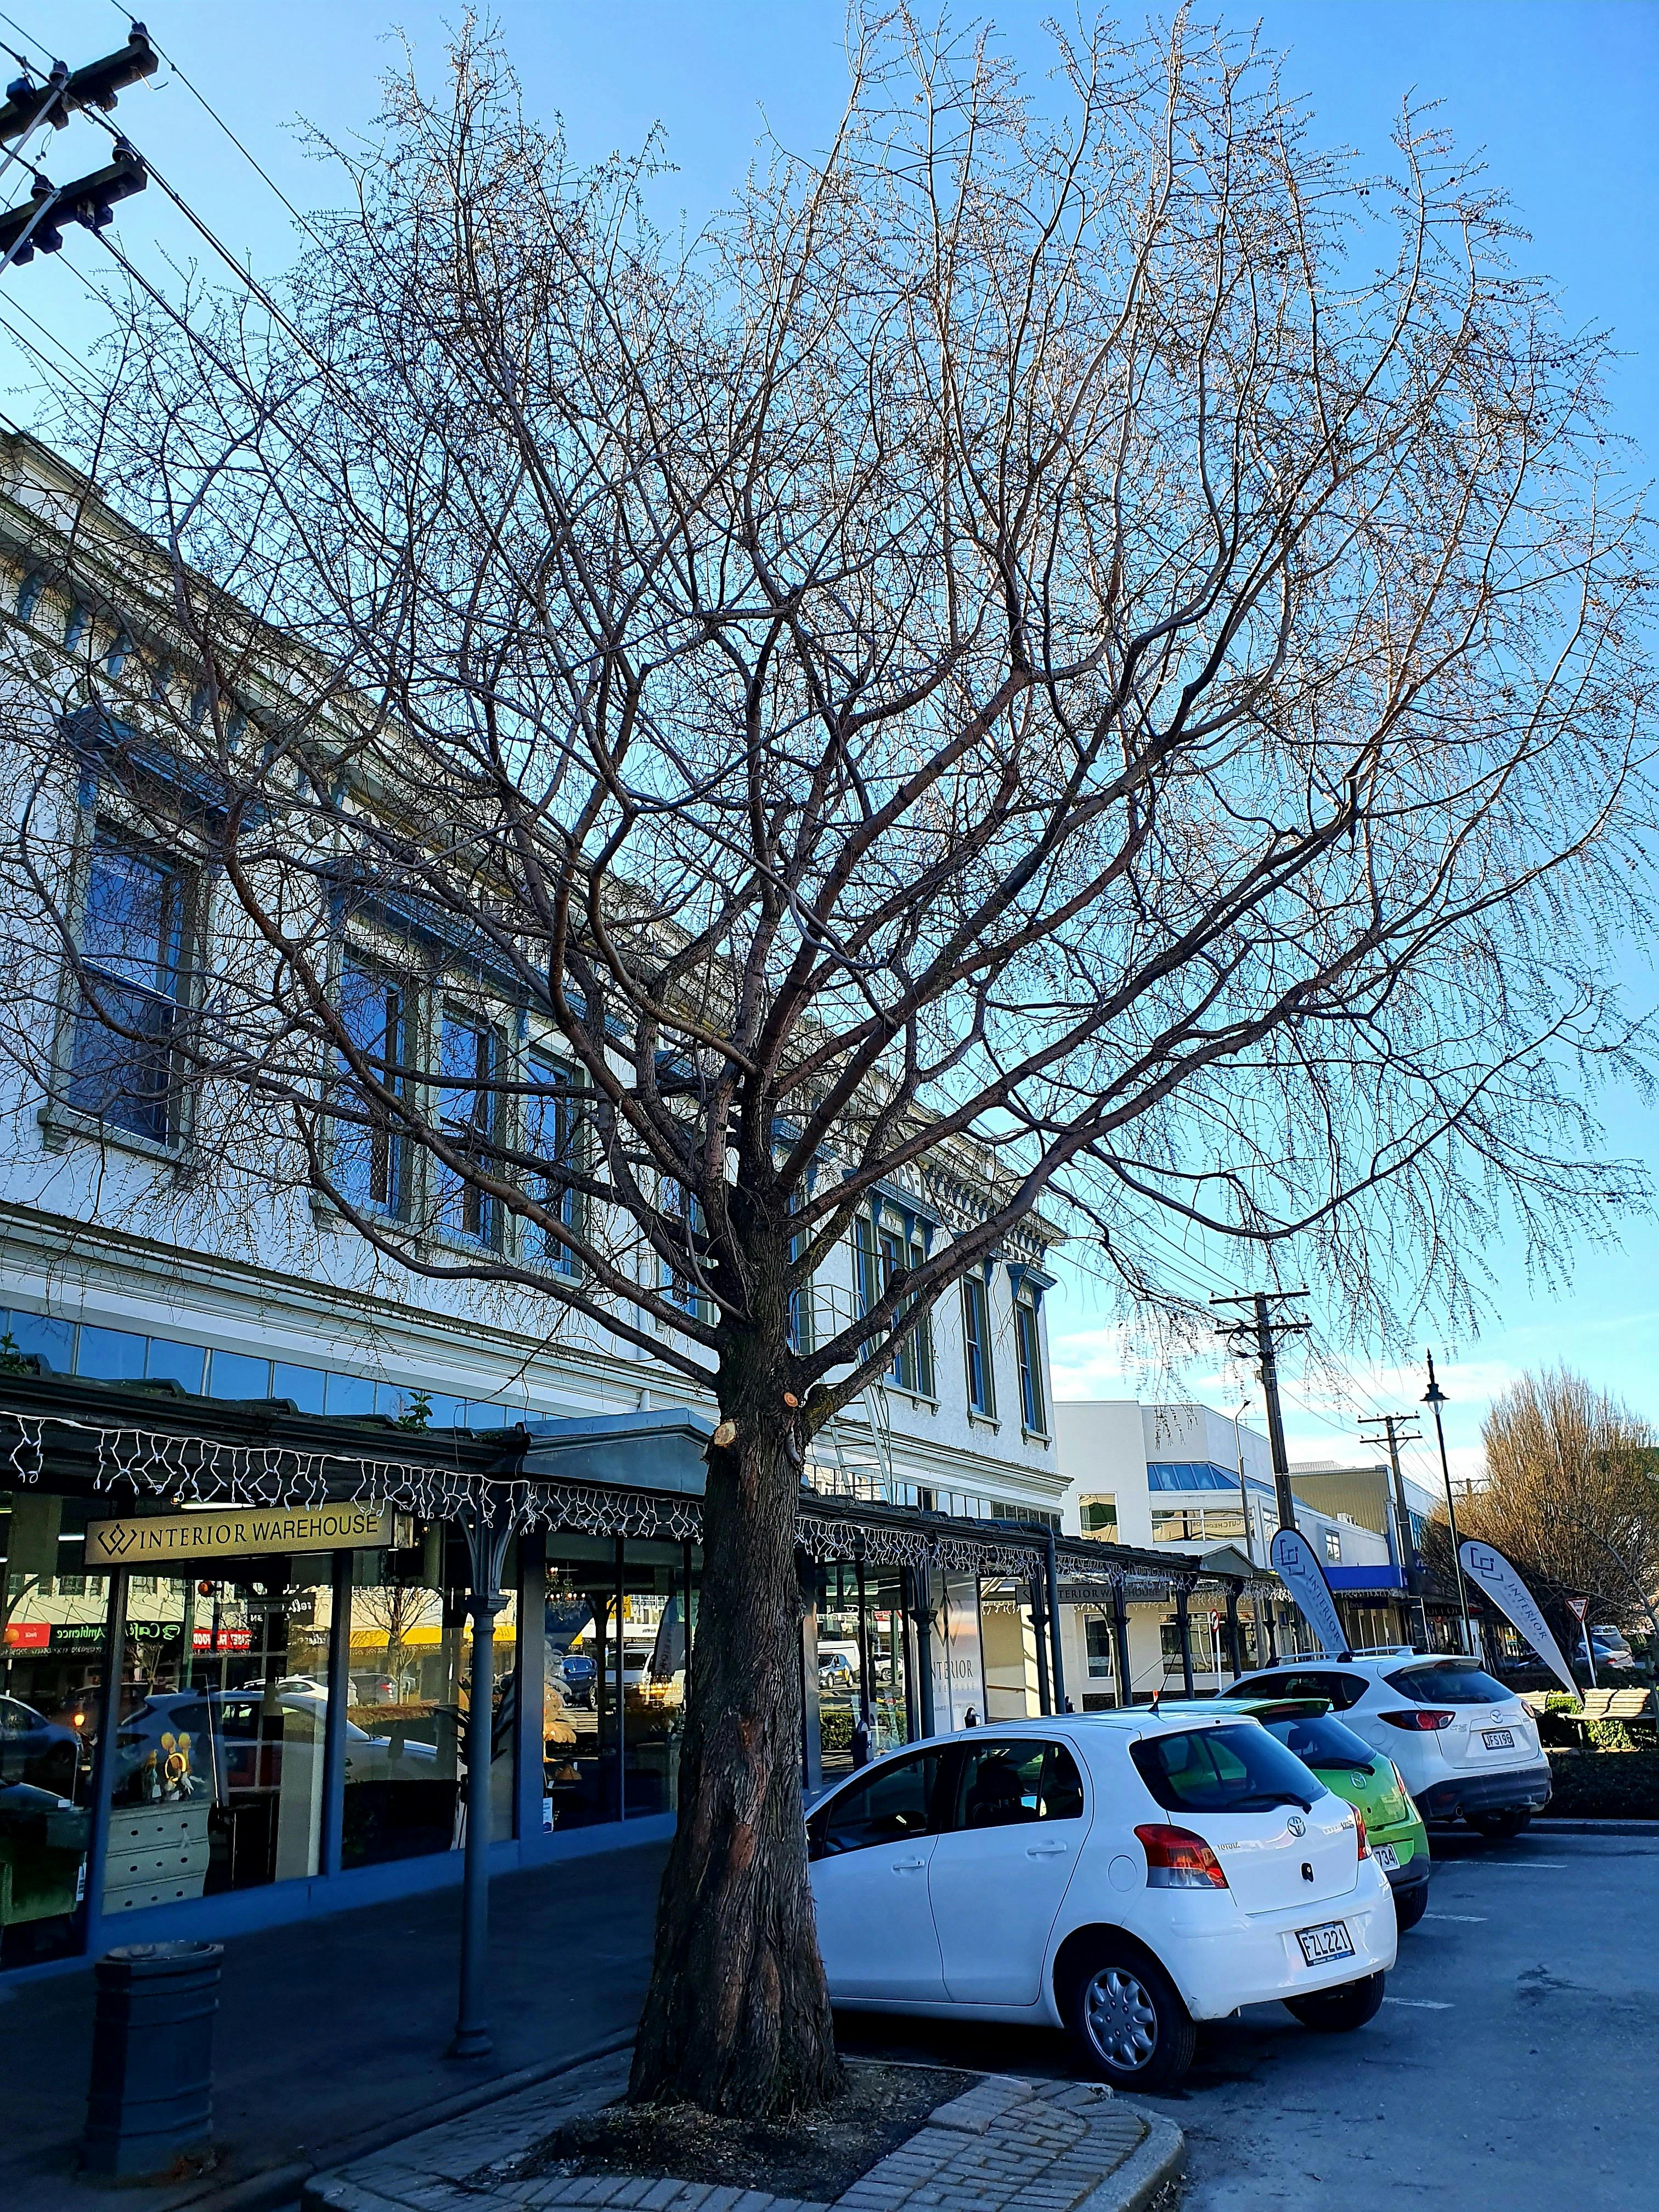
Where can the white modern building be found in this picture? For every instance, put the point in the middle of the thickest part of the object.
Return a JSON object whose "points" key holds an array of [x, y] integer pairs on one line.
{"points": [[1200, 1483]]}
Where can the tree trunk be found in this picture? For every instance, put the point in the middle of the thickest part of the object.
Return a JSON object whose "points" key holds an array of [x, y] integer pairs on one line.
{"points": [[737, 2019]]}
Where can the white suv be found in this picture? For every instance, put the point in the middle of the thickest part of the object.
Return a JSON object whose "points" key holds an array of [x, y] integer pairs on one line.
{"points": [[1116, 1874], [1463, 1743]]}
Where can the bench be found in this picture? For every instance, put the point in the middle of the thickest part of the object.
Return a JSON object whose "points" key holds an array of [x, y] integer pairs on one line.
{"points": [[1617, 1705]]}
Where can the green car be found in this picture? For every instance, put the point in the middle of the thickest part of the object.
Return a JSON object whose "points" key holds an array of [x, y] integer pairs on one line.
{"points": [[1362, 1778]]}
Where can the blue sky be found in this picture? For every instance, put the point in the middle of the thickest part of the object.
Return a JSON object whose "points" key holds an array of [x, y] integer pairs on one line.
{"points": [[1561, 95]]}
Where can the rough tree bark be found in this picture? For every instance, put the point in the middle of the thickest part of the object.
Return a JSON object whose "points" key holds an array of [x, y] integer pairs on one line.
{"points": [[737, 2017]]}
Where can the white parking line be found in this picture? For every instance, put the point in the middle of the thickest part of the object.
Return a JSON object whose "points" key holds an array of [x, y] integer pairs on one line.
{"points": [[1517, 1866], [1470, 1919], [1419, 2004]]}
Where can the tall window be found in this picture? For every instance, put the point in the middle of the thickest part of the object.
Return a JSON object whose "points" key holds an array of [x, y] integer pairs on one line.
{"points": [[132, 944], [976, 1346], [468, 1100], [678, 1285], [799, 1327], [1028, 1339], [1097, 1637], [913, 1363], [371, 1152], [550, 1136]]}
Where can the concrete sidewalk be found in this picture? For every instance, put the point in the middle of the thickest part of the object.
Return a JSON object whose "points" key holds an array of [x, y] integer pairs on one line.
{"points": [[335, 2028]]}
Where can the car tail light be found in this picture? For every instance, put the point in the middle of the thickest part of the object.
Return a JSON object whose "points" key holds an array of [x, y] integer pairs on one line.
{"points": [[1178, 1859], [1359, 1832], [1420, 1716]]}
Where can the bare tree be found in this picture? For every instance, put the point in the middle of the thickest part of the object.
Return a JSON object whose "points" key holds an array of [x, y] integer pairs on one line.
{"points": [[1571, 1495], [1073, 652]]}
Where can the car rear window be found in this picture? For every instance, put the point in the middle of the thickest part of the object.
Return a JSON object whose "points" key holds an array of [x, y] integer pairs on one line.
{"points": [[1220, 1770], [1446, 1683], [1322, 1741]]}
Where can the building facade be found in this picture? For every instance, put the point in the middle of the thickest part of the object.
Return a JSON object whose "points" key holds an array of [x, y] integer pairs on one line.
{"points": [[1200, 1484], [253, 1723]]}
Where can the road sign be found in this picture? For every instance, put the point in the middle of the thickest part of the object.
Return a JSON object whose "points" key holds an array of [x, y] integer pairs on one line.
{"points": [[1579, 1606]]}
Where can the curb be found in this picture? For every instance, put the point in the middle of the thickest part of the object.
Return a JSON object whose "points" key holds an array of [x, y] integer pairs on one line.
{"points": [[1536, 1826], [1161, 2159], [280, 2186]]}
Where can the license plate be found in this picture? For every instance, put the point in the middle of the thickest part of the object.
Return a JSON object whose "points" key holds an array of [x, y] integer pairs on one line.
{"points": [[1498, 1739], [1328, 1940], [1386, 1858]]}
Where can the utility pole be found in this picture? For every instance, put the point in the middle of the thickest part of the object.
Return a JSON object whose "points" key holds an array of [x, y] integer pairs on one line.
{"points": [[1265, 1327], [1396, 1437], [37, 226], [1435, 1396]]}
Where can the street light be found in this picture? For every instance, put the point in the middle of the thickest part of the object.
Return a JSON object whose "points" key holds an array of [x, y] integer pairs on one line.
{"points": [[1435, 1396]]}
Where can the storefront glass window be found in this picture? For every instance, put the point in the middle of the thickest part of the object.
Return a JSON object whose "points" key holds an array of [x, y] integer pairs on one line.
{"points": [[216, 1782], [613, 1705], [841, 1656], [52, 1671]]}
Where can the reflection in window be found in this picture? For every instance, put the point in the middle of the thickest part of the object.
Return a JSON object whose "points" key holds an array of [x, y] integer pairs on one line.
{"points": [[467, 1114], [370, 1151], [976, 1346], [1005, 1785], [133, 951], [1028, 1340], [895, 1804], [550, 1136]]}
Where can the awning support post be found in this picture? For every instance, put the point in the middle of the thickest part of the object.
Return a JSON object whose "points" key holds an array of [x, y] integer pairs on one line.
{"points": [[1184, 1632], [1121, 1643], [1232, 1631], [1053, 1575], [486, 1544]]}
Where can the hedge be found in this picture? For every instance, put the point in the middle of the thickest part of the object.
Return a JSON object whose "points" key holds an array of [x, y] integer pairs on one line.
{"points": [[1604, 1785]]}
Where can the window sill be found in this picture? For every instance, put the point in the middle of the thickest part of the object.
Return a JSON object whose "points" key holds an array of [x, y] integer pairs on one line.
{"points": [[1036, 1436], [978, 1421], [60, 1123], [915, 1397]]}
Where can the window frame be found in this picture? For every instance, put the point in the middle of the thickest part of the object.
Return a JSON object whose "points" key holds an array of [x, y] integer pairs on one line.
{"points": [[977, 1345], [486, 1231], [1033, 1395], [391, 1162], [167, 1131], [570, 1207]]}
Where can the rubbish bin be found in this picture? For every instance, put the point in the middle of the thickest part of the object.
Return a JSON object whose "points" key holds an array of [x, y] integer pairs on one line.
{"points": [[151, 2097]]}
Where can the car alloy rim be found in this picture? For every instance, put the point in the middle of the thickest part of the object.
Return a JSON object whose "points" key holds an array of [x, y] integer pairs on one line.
{"points": [[1122, 2020]]}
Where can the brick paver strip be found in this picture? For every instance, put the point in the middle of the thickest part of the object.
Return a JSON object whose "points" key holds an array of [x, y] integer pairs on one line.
{"points": [[1006, 2145]]}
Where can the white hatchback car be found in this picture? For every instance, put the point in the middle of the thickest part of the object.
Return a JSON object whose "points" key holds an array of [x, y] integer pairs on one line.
{"points": [[1463, 1743], [1113, 1873]]}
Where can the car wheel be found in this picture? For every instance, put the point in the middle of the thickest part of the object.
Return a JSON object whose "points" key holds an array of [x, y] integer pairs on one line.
{"points": [[1333, 2012], [1129, 2019], [1410, 1905], [1499, 1826]]}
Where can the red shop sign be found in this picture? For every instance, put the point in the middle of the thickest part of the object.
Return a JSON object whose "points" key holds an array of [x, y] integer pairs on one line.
{"points": [[230, 1640], [28, 1635]]}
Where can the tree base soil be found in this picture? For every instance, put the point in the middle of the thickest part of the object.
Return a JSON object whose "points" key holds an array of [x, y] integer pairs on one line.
{"points": [[817, 2156]]}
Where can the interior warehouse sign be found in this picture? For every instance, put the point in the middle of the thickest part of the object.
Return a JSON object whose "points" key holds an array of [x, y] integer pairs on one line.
{"points": [[236, 1531]]}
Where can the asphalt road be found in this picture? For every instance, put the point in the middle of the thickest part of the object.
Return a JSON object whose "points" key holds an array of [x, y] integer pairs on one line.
{"points": [[1515, 2062]]}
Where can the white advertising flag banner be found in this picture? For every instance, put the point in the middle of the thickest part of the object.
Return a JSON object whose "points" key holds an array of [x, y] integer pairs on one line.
{"points": [[1299, 1570], [1492, 1572]]}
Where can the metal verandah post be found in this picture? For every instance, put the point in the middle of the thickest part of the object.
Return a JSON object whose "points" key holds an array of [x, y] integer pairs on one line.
{"points": [[1058, 1675], [1121, 1643], [1184, 1631], [486, 1543]]}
